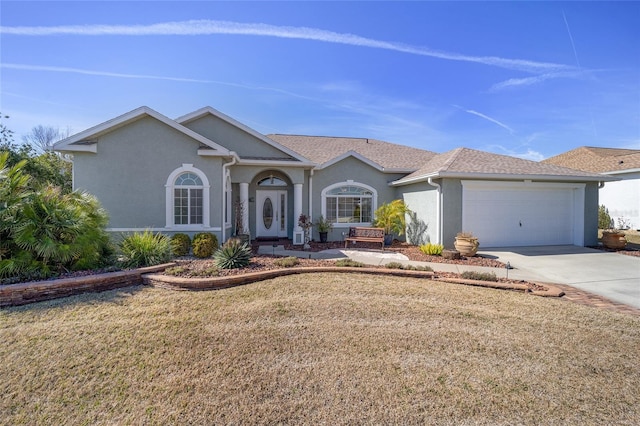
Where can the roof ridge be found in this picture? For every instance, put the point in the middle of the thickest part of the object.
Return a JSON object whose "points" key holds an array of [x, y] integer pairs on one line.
{"points": [[454, 154]]}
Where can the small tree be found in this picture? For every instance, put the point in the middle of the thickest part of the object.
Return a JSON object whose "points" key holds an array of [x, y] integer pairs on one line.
{"points": [[391, 217], [42, 138], [604, 219]]}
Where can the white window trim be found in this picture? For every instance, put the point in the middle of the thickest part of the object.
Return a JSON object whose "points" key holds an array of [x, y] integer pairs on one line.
{"points": [[374, 202], [169, 199]]}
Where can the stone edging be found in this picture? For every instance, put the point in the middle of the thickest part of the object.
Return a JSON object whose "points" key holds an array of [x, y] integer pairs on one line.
{"points": [[214, 283], [30, 292], [37, 291]]}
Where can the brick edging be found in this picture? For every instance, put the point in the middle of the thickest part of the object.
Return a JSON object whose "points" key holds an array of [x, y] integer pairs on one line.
{"points": [[215, 283], [38, 291]]}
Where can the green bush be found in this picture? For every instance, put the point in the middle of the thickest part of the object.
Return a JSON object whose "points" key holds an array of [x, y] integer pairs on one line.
{"points": [[604, 219], [418, 268], [175, 270], [145, 249], [180, 244], [287, 262], [349, 263], [204, 244], [394, 265], [480, 276], [233, 254], [432, 249], [47, 232]]}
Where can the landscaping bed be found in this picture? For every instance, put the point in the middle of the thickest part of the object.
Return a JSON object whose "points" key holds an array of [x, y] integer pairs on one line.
{"points": [[412, 252], [204, 274]]}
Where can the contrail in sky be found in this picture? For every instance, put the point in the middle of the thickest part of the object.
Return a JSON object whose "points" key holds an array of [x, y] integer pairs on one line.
{"points": [[210, 27], [142, 76], [486, 117]]}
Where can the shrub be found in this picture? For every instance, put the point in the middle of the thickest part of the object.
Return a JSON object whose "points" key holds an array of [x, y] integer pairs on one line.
{"points": [[204, 244], [349, 262], [394, 265], [233, 254], [604, 219], [481, 276], [287, 262], [145, 249], [47, 232], [180, 244], [175, 270], [419, 268], [432, 249], [211, 271]]}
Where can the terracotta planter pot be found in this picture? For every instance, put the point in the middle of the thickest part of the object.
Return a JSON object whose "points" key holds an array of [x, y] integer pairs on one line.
{"points": [[467, 247], [614, 240]]}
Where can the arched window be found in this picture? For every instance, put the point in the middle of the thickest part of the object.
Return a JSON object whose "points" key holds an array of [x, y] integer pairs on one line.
{"points": [[187, 198], [349, 203], [272, 181]]}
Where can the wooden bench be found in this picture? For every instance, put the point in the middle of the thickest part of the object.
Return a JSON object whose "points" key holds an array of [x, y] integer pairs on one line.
{"points": [[365, 235]]}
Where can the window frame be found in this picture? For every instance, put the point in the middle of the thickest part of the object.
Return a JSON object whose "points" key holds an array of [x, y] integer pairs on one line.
{"points": [[171, 186], [325, 195]]}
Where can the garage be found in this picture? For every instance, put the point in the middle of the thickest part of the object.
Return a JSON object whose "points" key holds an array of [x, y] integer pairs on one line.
{"points": [[503, 214]]}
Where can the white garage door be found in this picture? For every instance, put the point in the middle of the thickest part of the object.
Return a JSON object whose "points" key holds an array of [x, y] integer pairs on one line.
{"points": [[523, 214]]}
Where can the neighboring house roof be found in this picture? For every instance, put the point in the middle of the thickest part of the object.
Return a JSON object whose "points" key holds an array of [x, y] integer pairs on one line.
{"points": [[87, 140], [471, 163], [599, 160], [326, 150]]}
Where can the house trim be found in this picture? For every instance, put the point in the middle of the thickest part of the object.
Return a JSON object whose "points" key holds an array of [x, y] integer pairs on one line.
{"points": [[87, 141]]}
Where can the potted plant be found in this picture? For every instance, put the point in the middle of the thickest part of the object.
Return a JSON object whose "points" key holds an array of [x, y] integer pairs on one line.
{"points": [[323, 226], [467, 244], [391, 217], [615, 238]]}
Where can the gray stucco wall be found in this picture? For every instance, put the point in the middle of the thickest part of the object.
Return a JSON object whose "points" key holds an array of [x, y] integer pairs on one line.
{"points": [[591, 214], [452, 210], [422, 199], [349, 169], [233, 138], [129, 172]]}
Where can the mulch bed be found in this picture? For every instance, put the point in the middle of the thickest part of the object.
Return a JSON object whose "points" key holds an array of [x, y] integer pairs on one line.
{"points": [[411, 251]]}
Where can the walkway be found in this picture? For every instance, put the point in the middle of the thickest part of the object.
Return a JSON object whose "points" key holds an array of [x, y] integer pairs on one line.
{"points": [[378, 258]]}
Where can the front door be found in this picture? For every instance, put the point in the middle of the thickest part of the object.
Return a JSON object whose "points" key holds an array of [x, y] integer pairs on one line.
{"points": [[271, 214]]}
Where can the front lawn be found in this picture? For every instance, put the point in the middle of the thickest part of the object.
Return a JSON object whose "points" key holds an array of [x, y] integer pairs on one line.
{"points": [[318, 349]]}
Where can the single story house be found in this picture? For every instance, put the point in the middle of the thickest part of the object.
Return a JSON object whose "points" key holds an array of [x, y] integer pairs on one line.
{"points": [[622, 197], [188, 174]]}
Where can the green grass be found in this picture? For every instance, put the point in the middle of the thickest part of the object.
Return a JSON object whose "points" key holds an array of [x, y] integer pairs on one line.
{"points": [[325, 349]]}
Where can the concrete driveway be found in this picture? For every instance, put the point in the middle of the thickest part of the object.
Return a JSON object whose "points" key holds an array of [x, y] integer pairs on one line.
{"points": [[611, 275]]}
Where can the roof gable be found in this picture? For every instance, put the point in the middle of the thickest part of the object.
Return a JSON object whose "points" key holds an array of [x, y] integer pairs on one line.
{"points": [[599, 160], [470, 163], [204, 120], [87, 140]]}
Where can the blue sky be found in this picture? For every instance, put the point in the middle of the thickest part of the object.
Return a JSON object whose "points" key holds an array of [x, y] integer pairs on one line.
{"points": [[530, 79]]}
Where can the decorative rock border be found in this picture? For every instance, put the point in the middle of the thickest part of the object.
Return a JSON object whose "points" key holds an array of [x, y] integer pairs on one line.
{"points": [[37, 291], [216, 283]]}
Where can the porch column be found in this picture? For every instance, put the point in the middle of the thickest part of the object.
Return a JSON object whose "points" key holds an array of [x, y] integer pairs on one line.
{"points": [[297, 211], [244, 199]]}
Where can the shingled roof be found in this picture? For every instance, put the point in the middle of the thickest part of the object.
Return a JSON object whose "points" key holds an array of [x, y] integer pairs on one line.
{"points": [[599, 160], [466, 162], [324, 149]]}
